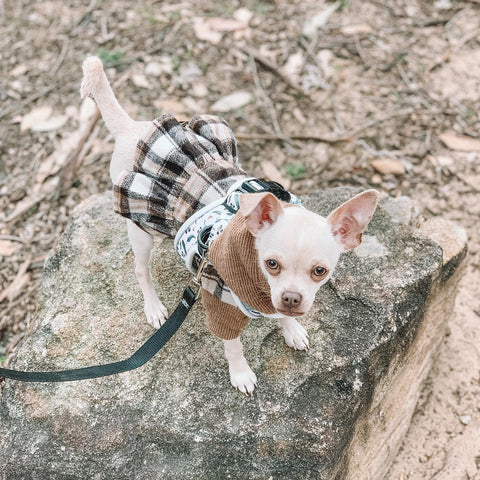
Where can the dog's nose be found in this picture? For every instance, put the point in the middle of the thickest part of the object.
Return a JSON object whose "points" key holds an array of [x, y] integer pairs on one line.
{"points": [[291, 299]]}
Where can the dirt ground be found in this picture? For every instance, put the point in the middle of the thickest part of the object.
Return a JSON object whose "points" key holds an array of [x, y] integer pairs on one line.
{"points": [[376, 94]]}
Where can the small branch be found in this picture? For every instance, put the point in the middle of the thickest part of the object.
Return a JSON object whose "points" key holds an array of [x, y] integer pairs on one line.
{"points": [[273, 68], [14, 289], [268, 136], [60, 58], [36, 196], [349, 136], [28, 100], [12, 238], [78, 152]]}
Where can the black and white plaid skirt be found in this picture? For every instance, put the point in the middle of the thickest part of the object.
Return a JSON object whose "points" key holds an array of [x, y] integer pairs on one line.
{"points": [[179, 168]]}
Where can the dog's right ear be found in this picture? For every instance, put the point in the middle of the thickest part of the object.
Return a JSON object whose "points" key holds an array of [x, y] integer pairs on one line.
{"points": [[260, 210]]}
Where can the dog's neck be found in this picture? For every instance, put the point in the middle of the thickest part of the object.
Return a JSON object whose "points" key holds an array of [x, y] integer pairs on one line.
{"points": [[234, 256]]}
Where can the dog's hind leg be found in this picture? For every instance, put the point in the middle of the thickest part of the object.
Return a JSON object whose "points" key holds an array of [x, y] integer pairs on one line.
{"points": [[142, 243]]}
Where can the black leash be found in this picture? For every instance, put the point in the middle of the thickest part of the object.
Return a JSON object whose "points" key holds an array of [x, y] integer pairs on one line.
{"points": [[139, 358], [165, 332]]}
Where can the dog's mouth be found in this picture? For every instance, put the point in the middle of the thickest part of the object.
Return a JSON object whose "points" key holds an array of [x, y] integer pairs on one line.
{"points": [[289, 312]]}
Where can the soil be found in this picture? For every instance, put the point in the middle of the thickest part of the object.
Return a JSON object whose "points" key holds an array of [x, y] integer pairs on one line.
{"points": [[375, 94]]}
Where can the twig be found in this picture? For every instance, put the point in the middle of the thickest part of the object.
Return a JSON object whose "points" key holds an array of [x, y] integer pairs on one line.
{"points": [[38, 262], [466, 182], [360, 51], [269, 105], [467, 38], [60, 58], [87, 146], [372, 123], [17, 281], [272, 136], [12, 238], [269, 135], [36, 196], [339, 120], [28, 100], [328, 139], [273, 68], [266, 99], [309, 48], [73, 161], [57, 183]]}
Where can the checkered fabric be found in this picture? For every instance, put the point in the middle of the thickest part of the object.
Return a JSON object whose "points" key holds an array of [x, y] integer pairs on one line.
{"points": [[179, 168]]}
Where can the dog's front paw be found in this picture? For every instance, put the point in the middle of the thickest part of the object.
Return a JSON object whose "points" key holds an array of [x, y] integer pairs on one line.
{"points": [[156, 312], [243, 378], [294, 334]]}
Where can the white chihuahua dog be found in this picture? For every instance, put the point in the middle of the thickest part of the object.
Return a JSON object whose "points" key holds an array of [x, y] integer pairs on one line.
{"points": [[270, 256]]}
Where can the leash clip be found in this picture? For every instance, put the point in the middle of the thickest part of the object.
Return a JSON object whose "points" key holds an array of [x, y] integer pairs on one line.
{"points": [[195, 283]]}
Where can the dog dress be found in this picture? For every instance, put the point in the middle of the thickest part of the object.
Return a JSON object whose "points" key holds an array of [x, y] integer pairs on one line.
{"points": [[180, 169]]}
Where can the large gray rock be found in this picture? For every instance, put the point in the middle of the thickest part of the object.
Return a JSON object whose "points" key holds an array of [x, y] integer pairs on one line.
{"points": [[338, 411]]}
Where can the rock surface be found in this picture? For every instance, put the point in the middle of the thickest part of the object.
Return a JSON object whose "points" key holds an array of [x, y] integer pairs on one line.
{"points": [[336, 412]]}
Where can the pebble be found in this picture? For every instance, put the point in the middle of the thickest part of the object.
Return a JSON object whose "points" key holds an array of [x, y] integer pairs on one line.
{"points": [[388, 165], [465, 419]]}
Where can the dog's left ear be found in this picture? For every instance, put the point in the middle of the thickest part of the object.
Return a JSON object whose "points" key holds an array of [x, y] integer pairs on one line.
{"points": [[351, 218], [260, 210]]}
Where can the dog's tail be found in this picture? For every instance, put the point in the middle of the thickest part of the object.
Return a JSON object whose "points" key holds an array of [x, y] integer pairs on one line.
{"points": [[96, 85]]}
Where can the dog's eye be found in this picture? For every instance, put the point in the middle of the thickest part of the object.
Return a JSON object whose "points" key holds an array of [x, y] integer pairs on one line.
{"points": [[319, 271], [272, 264]]}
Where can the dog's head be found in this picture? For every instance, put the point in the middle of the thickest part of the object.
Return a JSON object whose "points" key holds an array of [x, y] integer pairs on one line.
{"points": [[298, 249]]}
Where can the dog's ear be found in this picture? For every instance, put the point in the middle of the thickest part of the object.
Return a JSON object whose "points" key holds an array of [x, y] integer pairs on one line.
{"points": [[351, 218], [260, 210]]}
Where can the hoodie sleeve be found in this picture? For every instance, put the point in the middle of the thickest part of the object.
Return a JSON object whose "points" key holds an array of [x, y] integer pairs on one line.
{"points": [[223, 320]]}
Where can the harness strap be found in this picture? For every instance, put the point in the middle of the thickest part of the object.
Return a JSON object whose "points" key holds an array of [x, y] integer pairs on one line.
{"points": [[139, 358]]}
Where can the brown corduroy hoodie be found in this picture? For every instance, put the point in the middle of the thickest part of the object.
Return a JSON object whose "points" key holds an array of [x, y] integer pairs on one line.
{"points": [[234, 256]]}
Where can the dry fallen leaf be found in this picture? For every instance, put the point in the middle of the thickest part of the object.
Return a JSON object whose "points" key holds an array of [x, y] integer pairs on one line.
{"points": [[199, 90], [203, 31], [461, 143], [356, 29], [53, 123], [7, 248], [232, 101], [376, 179], [319, 20], [40, 119], [37, 115], [140, 81], [224, 24], [59, 158], [388, 165], [16, 288], [294, 65], [243, 15], [19, 70], [164, 66]]}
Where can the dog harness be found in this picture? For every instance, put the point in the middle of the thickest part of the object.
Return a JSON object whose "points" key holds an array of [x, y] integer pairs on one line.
{"points": [[202, 228]]}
